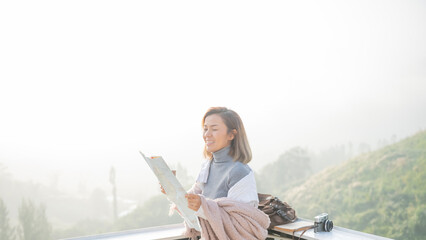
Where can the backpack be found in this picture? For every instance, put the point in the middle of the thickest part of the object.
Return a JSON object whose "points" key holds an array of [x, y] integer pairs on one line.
{"points": [[279, 212]]}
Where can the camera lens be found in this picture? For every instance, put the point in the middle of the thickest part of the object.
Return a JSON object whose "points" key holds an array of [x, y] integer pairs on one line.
{"points": [[328, 225]]}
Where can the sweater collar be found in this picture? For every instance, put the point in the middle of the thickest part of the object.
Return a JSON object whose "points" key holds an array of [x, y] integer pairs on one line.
{"points": [[222, 155]]}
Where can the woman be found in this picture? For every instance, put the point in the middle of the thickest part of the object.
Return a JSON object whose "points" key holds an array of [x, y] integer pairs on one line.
{"points": [[224, 196]]}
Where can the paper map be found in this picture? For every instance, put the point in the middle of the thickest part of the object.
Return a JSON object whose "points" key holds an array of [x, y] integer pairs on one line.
{"points": [[175, 191]]}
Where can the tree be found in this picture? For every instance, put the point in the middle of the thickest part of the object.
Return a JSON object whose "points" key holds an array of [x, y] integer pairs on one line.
{"points": [[420, 222], [33, 222], [6, 232], [114, 193]]}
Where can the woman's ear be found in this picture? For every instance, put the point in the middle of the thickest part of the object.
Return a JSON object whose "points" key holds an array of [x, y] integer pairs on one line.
{"points": [[233, 133]]}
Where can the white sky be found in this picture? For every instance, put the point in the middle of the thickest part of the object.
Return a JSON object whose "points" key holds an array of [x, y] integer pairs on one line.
{"points": [[86, 84]]}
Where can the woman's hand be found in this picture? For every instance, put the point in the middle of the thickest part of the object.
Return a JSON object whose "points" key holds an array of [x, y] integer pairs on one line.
{"points": [[162, 189], [194, 201]]}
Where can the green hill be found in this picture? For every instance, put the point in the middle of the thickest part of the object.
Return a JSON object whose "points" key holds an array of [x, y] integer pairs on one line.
{"points": [[382, 192]]}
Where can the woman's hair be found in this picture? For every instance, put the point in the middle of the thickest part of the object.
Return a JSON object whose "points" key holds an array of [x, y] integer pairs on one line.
{"points": [[240, 148]]}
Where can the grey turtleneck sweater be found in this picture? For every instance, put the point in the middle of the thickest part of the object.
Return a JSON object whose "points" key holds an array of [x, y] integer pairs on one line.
{"points": [[224, 172]]}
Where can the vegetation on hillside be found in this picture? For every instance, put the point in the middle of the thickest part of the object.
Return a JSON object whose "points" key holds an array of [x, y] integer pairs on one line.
{"points": [[381, 192], [291, 168], [297, 164]]}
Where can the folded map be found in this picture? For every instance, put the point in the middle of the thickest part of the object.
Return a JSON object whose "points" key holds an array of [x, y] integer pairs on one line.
{"points": [[174, 190]]}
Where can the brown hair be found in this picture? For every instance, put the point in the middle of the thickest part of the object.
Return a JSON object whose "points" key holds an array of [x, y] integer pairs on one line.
{"points": [[240, 148]]}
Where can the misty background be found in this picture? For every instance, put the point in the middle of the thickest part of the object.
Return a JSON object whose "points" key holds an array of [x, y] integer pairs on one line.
{"points": [[85, 85]]}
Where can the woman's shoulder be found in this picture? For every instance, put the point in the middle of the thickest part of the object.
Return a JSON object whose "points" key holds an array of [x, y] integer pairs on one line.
{"points": [[241, 167], [239, 170]]}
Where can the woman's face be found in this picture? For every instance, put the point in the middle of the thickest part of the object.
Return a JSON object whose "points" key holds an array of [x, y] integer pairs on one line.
{"points": [[216, 134]]}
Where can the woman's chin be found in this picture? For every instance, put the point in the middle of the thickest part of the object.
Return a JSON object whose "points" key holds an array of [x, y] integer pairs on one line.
{"points": [[210, 149]]}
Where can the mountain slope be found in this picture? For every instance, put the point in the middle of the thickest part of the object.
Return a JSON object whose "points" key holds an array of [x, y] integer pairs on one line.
{"points": [[382, 192]]}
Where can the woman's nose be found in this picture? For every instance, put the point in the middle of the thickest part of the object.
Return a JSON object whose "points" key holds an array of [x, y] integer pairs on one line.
{"points": [[207, 133]]}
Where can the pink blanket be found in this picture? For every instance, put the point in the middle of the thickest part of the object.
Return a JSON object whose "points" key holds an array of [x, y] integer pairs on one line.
{"points": [[229, 219]]}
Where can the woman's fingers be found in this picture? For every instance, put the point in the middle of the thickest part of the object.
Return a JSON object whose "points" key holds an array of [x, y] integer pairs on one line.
{"points": [[194, 201], [191, 196]]}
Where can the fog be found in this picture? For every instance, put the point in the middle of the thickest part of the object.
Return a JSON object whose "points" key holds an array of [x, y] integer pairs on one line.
{"points": [[85, 85]]}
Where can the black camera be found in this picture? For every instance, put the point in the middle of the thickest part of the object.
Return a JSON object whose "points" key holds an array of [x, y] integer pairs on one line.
{"points": [[322, 224]]}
